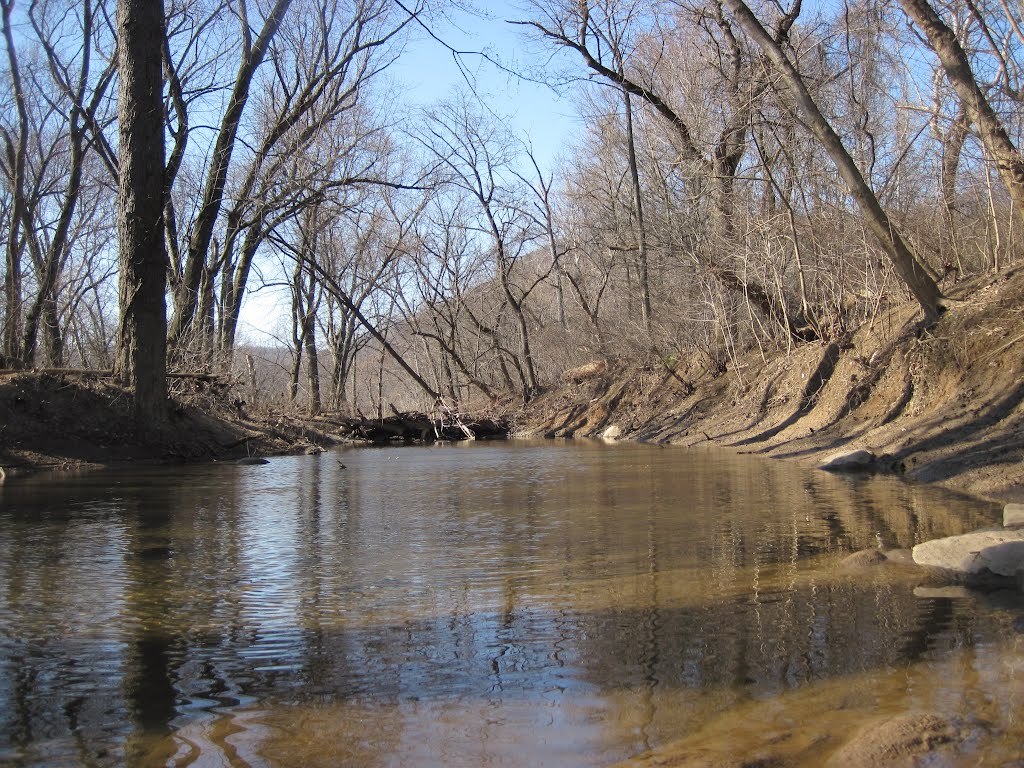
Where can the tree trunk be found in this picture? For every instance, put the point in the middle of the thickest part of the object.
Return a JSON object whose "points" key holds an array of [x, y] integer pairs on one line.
{"points": [[952, 151], [638, 212], [914, 274], [17, 151], [141, 356], [53, 337]]}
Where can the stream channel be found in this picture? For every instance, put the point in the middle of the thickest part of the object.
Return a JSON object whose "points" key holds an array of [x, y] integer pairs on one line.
{"points": [[514, 603]]}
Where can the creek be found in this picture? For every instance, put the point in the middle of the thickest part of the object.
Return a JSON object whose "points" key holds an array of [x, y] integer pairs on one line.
{"points": [[512, 603]]}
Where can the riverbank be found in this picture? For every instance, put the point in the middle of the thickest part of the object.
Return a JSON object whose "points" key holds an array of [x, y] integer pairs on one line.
{"points": [[74, 420], [78, 420], [941, 405]]}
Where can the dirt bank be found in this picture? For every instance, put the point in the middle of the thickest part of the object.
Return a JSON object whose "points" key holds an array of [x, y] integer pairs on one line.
{"points": [[942, 405], [59, 421]]}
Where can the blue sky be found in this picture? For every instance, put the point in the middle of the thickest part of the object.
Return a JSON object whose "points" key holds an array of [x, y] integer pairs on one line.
{"points": [[430, 73]]}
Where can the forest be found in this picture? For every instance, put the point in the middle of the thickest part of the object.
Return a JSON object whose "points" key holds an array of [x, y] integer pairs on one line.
{"points": [[747, 176]]}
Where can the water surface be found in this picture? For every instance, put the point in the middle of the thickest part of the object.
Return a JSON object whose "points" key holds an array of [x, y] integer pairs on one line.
{"points": [[562, 604]]}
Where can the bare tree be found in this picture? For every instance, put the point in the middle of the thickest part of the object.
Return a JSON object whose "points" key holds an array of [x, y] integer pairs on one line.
{"points": [[957, 67], [251, 56], [599, 34], [16, 152], [913, 272], [323, 59], [478, 157]]}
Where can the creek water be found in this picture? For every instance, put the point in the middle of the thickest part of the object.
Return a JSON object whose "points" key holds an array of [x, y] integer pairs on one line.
{"points": [[515, 603]]}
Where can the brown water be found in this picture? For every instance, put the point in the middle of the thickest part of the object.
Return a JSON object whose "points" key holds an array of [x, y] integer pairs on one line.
{"points": [[519, 604]]}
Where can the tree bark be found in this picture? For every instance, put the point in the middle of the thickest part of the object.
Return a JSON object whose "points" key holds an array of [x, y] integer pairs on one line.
{"points": [[913, 273], [638, 211], [141, 356]]}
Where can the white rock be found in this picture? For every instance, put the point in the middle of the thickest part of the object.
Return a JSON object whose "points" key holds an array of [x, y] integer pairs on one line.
{"points": [[612, 433], [848, 460], [1001, 552], [1013, 515]]}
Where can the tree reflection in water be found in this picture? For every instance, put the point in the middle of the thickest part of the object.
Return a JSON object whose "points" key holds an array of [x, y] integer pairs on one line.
{"points": [[542, 604]]}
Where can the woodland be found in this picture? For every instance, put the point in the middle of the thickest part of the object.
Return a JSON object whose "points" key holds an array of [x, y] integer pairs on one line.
{"points": [[747, 177]]}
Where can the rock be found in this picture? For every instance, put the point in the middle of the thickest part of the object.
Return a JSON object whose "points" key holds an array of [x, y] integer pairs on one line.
{"points": [[903, 556], [900, 741], [252, 461], [848, 461], [1013, 515], [863, 559], [1000, 552], [612, 433], [589, 371]]}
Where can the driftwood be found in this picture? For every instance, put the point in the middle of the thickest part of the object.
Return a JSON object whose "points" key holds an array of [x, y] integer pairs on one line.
{"points": [[420, 428]]}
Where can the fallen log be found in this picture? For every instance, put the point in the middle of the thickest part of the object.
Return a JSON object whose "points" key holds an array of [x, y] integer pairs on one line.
{"points": [[420, 428]]}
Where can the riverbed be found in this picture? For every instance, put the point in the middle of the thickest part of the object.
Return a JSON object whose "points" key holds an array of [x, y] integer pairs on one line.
{"points": [[515, 603]]}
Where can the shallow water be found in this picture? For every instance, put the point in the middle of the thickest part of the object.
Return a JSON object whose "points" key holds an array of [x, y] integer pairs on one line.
{"points": [[563, 604]]}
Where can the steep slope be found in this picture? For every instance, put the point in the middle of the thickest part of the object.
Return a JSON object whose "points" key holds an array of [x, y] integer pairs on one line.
{"points": [[943, 404]]}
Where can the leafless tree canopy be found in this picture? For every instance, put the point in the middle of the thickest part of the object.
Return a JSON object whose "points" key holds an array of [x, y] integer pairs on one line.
{"points": [[746, 175]]}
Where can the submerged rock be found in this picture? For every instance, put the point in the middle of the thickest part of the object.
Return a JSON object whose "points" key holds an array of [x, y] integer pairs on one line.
{"points": [[903, 556], [952, 592], [899, 741], [863, 559], [849, 461], [1000, 552]]}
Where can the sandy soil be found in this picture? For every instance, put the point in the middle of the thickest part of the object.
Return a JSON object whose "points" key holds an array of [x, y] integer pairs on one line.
{"points": [[942, 405]]}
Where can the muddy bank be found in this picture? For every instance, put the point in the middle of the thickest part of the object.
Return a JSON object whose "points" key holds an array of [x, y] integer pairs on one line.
{"points": [[68, 421], [943, 405]]}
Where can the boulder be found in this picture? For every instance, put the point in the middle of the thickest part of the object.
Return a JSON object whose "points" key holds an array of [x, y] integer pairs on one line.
{"points": [[612, 433], [1000, 552], [1013, 515], [849, 461]]}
